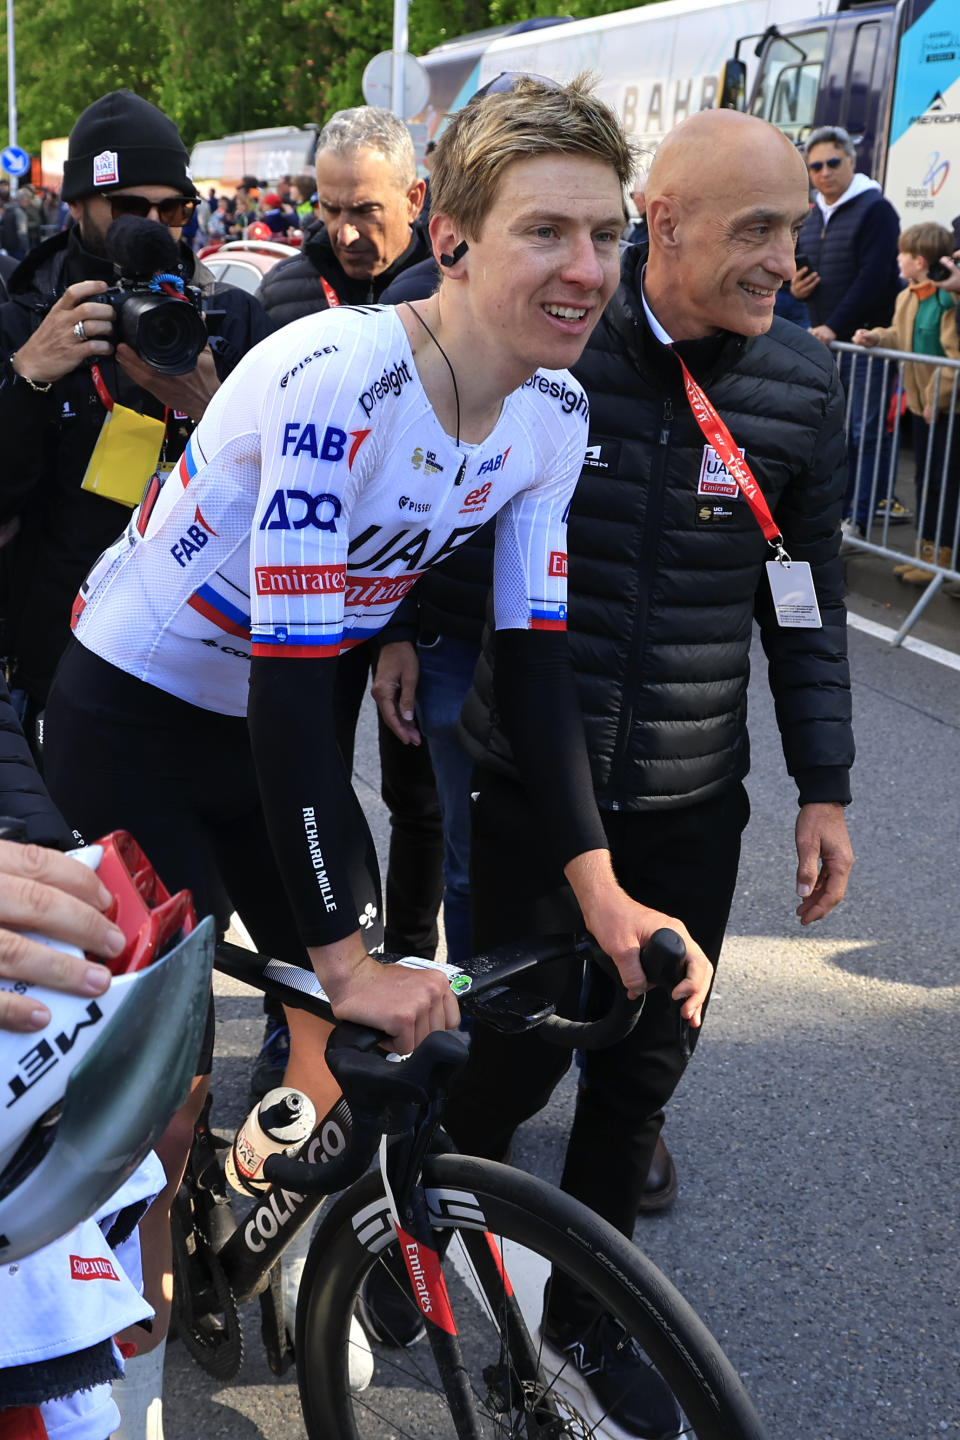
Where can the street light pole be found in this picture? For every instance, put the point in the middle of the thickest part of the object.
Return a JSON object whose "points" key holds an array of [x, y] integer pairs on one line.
{"points": [[400, 42], [11, 89]]}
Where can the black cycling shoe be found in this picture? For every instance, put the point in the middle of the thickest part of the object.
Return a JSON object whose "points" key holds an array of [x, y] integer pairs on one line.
{"points": [[386, 1309], [604, 1373], [271, 1064]]}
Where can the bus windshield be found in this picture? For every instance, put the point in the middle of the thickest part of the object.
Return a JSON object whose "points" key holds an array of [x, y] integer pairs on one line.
{"points": [[789, 82]]}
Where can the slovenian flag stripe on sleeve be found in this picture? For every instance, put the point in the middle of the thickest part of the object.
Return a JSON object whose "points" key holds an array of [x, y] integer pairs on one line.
{"points": [[218, 609]]}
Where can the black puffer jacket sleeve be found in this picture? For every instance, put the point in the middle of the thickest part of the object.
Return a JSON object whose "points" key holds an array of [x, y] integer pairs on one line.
{"points": [[25, 414], [22, 792], [235, 323], [808, 669]]}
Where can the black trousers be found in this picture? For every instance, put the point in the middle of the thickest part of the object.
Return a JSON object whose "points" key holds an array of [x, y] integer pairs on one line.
{"points": [[124, 755], [681, 861], [414, 887]]}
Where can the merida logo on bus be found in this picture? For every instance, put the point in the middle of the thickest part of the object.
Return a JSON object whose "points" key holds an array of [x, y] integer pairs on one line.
{"points": [[572, 402], [391, 382]]}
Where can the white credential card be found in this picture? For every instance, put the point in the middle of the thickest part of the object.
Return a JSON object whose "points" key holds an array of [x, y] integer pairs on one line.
{"points": [[794, 596]]}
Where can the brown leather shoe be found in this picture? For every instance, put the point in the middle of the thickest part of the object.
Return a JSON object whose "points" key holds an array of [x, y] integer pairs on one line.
{"points": [[660, 1186]]}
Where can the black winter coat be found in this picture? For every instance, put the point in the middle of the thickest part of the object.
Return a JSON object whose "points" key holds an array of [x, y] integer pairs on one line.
{"points": [[48, 441], [7, 267], [294, 288], [22, 792], [665, 582]]}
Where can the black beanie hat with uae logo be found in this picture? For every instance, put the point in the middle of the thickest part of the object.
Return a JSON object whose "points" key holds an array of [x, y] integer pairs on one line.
{"points": [[121, 140]]}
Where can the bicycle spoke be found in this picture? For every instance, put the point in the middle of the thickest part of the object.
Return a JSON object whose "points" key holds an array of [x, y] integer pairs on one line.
{"points": [[515, 1396]]}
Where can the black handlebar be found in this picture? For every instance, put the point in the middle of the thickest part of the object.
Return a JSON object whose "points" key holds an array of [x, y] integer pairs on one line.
{"points": [[664, 963], [493, 998], [385, 1096]]}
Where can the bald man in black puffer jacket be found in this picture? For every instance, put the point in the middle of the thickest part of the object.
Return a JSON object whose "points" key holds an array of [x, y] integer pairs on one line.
{"points": [[667, 578]]}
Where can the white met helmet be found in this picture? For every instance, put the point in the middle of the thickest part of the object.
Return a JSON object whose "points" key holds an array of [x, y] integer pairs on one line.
{"points": [[83, 1100]]}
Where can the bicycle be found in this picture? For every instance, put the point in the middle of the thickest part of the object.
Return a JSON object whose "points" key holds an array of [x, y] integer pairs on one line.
{"points": [[482, 1244]]}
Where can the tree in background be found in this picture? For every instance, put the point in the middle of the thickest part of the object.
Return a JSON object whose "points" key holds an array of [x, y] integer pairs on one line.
{"points": [[220, 66]]}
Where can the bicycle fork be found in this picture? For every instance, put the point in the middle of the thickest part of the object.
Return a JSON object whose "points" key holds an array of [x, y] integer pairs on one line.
{"points": [[423, 1248]]}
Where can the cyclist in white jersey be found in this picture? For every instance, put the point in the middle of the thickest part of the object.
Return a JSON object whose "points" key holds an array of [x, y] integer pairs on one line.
{"points": [[344, 456], [348, 453], [318, 487]]}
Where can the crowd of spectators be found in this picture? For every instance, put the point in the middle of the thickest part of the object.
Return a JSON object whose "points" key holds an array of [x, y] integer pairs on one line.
{"points": [[281, 209], [28, 217]]}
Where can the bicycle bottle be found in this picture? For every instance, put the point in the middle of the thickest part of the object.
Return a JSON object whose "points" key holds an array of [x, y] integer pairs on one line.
{"points": [[279, 1125]]}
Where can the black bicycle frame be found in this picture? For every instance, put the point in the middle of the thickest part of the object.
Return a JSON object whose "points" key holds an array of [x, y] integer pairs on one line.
{"points": [[271, 1223], [253, 1248]]}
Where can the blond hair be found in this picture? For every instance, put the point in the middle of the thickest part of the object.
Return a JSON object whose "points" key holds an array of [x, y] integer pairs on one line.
{"points": [[528, 120]]}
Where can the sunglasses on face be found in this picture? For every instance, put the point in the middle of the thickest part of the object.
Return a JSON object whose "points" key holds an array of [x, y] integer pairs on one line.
{"points": [[176, 210], [833, 163]]}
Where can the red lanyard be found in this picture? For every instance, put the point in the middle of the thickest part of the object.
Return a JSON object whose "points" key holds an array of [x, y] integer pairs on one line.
{"points": [[716, 432], [106, 399], [330, 295]]}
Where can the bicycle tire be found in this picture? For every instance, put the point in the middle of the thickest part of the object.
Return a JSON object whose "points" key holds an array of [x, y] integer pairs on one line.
{"points": [[535, 1225]]}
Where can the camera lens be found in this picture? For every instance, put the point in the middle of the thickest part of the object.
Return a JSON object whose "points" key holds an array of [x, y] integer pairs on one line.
{"points": [[166, 333]]}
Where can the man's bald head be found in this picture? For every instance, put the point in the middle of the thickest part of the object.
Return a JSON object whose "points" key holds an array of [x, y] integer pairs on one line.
{"points": [[714, 151], [725, 197]]}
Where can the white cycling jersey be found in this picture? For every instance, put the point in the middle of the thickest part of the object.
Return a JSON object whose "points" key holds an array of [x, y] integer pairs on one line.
{"points": [[317, 488]]}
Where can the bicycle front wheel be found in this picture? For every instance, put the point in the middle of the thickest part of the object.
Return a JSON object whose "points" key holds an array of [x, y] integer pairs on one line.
{"points": [[504, 1236]]}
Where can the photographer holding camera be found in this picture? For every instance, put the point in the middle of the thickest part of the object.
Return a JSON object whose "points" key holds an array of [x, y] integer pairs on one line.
{"points": [[65, 369]]}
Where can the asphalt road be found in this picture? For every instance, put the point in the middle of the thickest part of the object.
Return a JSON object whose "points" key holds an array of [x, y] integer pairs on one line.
{"points": [[816, 1228]]}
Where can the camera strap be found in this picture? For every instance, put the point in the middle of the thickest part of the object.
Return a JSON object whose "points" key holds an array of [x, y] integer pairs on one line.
{"points": [[100, 385]]}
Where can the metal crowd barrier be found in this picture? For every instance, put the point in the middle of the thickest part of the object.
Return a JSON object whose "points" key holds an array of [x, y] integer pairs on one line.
{"points": [[875, 454]]}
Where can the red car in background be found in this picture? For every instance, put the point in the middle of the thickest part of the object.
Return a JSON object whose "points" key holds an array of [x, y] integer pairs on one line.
{"points": [[245, 262]]}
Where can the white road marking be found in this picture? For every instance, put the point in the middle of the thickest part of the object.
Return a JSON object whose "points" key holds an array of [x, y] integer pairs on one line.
{"points": [[910, 642]]}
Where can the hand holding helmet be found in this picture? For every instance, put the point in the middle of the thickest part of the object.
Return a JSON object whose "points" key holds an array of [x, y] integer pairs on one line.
{"points": [[85, 1099], [43, 890]]}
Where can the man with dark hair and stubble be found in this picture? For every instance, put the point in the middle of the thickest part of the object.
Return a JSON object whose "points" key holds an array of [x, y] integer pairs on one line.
{"points": [[125, 157], [63, 371]]}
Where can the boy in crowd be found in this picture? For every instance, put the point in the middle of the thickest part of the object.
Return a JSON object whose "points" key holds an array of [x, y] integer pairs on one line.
{"points": [[924, 323]]}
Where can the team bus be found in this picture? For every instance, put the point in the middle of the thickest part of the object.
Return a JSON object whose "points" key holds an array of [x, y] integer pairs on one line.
{"points": [[888, 72]]}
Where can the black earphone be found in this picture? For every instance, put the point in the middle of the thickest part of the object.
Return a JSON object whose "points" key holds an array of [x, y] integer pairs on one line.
{"points": [[447, 260]]}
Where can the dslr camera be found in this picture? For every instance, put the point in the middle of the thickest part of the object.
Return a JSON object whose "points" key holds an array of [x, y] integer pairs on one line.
{"points": [[156, 313]]}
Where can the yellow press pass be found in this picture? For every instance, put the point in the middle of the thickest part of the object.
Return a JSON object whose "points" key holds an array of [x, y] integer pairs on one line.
{"points": [[125, 456]]}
